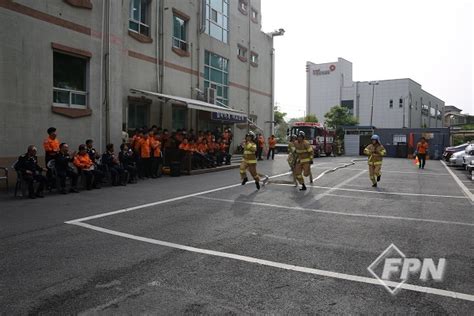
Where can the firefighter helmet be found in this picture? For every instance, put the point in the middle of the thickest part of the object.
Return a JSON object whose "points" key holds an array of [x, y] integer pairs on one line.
{"points": [[301, 134], [375, 137], [251, 134]]}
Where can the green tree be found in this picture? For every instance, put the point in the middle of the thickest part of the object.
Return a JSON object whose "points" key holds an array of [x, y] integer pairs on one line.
{"points": [[339, 116], [278, 116], [280, 124], [311, 118]]}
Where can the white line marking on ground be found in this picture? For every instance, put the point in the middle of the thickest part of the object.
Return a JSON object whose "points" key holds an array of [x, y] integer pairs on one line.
{"points": [[298, 208], [401, 172], [321, 195], [381, 192], [466, 191], [283, 266], [161, 202], [381, 199]]}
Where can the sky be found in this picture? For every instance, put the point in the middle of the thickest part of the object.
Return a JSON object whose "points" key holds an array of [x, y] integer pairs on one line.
{"points": [[429, 41]]}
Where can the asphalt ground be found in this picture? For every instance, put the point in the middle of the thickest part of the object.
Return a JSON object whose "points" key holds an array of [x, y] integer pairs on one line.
{"points": [[207, 245]]}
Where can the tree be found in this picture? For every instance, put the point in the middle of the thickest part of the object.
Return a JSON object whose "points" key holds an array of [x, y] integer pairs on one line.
{"points": [[311, 118], [278, 116], [339, 116]]}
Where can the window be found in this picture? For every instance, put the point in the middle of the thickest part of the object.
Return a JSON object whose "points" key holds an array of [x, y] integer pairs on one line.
{"points": [[254, 15], [179, 33], [242, 53], [69, 80], [138, 21], [243, 6], [390, 104], [216, 75], [400, 103], [399, 139], [138, 115], [217, 19], [254, 59]]}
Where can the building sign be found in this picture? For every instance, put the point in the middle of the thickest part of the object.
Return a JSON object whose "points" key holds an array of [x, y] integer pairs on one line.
{"points": [[228, 118], [319, 72]]}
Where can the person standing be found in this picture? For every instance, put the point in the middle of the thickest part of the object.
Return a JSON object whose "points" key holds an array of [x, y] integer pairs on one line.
{"points": [[422, 150], [292, 156], [51, 149], [156, 160], [249, 160], [375, 151], [271, 147], [260, 145], [145, 156], [304, 152]]}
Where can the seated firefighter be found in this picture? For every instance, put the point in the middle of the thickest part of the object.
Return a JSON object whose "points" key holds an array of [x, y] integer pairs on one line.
{"points": [[64, 170], [128, 161], [30, 171], [117, 172], [85, 165]]}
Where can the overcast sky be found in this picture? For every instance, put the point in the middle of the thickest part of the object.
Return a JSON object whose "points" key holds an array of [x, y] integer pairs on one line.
{"points": [[429, 41]]}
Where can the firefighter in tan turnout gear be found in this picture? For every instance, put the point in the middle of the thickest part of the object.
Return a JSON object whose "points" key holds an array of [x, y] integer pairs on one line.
{"points": [[304, 158], [249, 160], [375, 151]]}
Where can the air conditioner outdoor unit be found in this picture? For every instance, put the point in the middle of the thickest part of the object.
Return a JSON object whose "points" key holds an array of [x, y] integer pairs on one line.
{"points": [[211, 95]]}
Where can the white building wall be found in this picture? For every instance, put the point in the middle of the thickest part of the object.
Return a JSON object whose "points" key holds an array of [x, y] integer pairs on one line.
{"points": [[329, 88]]}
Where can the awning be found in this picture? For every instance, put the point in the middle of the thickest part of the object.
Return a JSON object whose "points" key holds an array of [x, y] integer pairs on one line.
{"points": [[194, 104]]}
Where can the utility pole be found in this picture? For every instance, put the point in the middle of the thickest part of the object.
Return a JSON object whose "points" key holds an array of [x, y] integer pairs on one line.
{"points": [[373, 84]]}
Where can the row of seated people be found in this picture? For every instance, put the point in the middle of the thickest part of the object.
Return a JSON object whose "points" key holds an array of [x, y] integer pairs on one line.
{"points": [[86, 162]]}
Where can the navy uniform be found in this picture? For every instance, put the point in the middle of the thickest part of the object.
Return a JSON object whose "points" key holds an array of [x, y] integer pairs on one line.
{"points": [[30, 171], [64, 171]]}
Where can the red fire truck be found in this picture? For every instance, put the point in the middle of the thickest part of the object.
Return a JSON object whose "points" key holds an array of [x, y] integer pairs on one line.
{"points": [[319, 137]]}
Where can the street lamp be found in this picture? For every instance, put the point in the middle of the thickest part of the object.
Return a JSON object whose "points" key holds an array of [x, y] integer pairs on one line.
{"points": [[373, 84], [273, 34]]}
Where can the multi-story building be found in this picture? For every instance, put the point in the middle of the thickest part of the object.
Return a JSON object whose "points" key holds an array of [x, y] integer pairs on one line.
{"points": [[93, 68], [453, 116], [394, 103]]}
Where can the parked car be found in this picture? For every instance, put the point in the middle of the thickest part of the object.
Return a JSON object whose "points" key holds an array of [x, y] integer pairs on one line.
{"points": [[456, 159], [448, 151], [469, 156], [470, 169]]}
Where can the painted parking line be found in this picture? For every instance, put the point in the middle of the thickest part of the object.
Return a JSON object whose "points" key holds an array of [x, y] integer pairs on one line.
{"points": [[365, 198], [364, 215], [465, 190], [401, 172], [283, 266], [134, 208], [346, 181], [380, 192]]}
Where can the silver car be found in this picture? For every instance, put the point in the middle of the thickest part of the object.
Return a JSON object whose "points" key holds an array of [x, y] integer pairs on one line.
{"points": [[468, 157], [456, 159]]}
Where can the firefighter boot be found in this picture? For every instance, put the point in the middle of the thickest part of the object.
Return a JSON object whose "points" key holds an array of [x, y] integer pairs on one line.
{"points": [[257, 184], [303, 187], [244, 180]]}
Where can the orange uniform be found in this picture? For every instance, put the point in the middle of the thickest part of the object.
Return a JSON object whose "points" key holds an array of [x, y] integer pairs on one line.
{"points": [[422, 147], [202, 148], [136, 143], [272, 142], [145, 148], [156, 147], [50, 145], [261, 141], [83, 161]]}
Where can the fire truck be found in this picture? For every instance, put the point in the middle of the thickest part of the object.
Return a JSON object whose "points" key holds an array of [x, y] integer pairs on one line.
{"points": [[321, 138]]}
